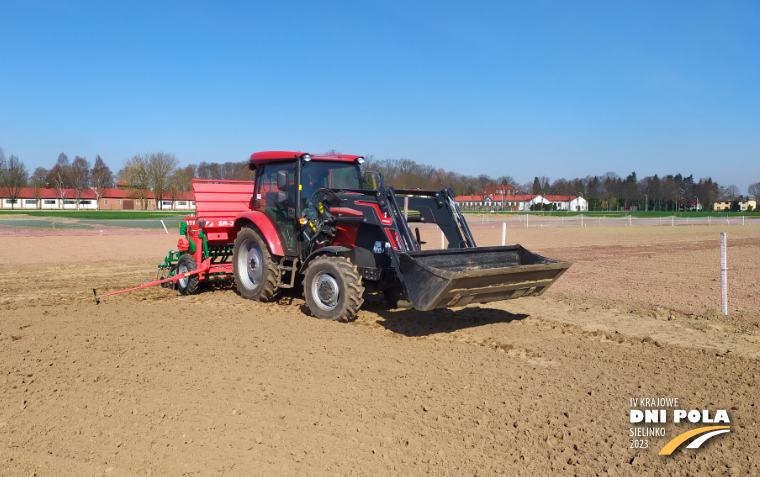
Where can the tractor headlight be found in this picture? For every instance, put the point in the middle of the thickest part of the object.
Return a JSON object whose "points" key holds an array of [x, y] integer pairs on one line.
{"points": [[306, 157], [360, 160]]}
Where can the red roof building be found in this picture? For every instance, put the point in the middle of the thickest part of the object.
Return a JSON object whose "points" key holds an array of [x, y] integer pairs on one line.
{"points": [[521, 202], [110, 199]]}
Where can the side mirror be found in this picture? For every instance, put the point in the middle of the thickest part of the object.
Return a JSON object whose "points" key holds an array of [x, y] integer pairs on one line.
{"points": [[282, 197], [282, 180], [373, 180]]}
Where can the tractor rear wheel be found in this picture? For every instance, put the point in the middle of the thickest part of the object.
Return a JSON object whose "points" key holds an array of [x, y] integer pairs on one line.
{"points": [[187, 285], [333, 288], [255, 273]]}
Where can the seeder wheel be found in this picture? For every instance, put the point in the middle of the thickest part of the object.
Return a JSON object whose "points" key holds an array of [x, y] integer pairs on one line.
{"points": [[187, 285]]}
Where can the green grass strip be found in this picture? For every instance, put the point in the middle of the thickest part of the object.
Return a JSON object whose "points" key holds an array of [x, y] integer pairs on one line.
{"points": [[99, 214]]}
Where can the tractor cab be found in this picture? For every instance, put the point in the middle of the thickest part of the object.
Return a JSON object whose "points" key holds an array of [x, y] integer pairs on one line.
{"points": [[286, 183]]}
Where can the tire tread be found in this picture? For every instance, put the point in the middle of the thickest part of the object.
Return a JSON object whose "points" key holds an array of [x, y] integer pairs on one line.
{"points": [[354, 296], [271, 272], [193, 282]]}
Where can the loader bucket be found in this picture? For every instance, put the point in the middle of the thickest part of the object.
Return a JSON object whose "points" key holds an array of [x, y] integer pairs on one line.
{"points": [[457, 277]]}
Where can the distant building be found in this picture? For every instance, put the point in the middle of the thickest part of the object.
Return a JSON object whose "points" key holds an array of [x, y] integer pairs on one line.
{"points": [[743, 205], [111, 199], [523, 202]]}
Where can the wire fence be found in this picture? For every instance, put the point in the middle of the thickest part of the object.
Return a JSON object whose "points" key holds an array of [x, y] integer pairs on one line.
{"points": [[57, 226], [46, 226], [531, 220]]}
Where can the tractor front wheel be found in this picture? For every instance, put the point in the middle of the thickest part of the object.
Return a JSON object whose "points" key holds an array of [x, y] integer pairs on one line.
{"points": [[187, 285], [333, 288], [255, 273]]}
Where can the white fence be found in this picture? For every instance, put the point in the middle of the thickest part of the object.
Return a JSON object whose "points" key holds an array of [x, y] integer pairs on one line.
{"points": [[537, 220], [46, 226]]}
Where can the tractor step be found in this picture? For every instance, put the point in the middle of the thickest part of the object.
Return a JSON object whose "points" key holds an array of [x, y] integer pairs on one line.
{"points": [[288, 265]]}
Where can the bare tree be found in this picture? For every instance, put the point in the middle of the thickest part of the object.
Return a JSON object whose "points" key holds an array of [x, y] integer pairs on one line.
{"points": [[731, 192], [209, 170], [39, 177], [101, 178], [562, 187], [239, 171], [161, 166], [184, 178], [461, 184], [174, 186], [484, 181], [80, 176], [16, 178], [3, 173], [507, 181], [38, 181], [754, 190], [60, 176], [136, 175]]}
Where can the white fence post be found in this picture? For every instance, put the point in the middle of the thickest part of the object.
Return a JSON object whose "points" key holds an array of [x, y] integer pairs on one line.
{"points": [[443, 245], [527, 221], [503, 233], [162, 223], [723, 276]]}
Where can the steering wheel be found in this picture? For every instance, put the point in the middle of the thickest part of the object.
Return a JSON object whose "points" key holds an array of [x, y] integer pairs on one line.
{"points": [[329, 196], [327, 193]]}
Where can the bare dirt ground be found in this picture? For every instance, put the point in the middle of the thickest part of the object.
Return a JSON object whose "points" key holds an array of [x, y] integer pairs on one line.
{"points": [[153, 383]]}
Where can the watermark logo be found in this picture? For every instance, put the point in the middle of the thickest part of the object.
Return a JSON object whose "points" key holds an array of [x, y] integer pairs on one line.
{"points": [[659, 411], [707, 432]]}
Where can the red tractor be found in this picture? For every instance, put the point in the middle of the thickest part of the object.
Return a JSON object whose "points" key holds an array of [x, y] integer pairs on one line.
{"points": [[318, 220]]}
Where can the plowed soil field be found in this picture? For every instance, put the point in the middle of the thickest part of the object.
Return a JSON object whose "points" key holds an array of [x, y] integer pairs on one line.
{"points": [[153, 383]]}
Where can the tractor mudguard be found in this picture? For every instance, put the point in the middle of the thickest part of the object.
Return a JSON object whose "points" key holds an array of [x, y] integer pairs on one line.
{"points": [[260, 220], [332, 249]]}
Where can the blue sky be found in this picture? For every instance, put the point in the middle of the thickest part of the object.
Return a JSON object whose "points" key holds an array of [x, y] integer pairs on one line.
{"points": [[562, 89]]}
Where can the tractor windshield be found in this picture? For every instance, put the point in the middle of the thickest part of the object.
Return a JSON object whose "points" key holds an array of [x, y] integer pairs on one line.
{"points": [[332, 175], [328, 174]]}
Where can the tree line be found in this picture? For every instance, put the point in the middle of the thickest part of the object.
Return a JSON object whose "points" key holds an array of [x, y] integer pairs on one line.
{"points": [[606, 192], [668, 193], [161, 174], [77, 175], [157, 173]]}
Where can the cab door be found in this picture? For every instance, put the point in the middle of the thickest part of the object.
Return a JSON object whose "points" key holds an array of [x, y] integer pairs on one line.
{"points": [[279, 205]]}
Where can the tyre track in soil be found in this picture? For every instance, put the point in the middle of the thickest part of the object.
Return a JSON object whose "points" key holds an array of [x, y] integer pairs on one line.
{"points": [[152, 383]]}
